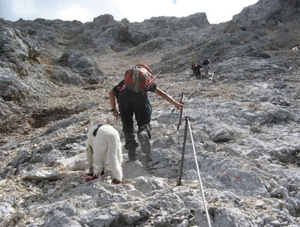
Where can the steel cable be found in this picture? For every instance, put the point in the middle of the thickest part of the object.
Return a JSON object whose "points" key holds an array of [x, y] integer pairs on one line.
{"points": [[198, 171]]}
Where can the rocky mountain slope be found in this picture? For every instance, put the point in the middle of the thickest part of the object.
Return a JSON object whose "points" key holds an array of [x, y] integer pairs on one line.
{"points": [[244, 120]]}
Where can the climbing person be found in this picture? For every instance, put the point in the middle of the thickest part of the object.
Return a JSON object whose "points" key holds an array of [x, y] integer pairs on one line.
{"points": [[206, 65], [132, 97], [196, 69]]}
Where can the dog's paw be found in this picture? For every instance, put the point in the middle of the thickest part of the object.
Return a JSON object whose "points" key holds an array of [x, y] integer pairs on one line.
{"points": [[90, 178], [115, 181]]}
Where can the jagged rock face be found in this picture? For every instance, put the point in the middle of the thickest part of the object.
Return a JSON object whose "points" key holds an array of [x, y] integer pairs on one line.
{"points": [[271, 12], [274, 20], [243, 118]]}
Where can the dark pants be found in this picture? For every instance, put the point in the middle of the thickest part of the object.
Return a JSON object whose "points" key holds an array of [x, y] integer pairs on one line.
{"points": [[196, 70], [131, 103], [197, 74]]}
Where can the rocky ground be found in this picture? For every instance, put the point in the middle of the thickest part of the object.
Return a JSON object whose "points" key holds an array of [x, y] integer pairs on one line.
{"points": [[244, 121]]}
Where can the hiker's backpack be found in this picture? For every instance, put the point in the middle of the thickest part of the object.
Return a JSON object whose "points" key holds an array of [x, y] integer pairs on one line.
{"points": [[139, 78]]}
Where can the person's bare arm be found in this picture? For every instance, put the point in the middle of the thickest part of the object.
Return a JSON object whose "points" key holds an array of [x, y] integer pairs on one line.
{"points": [[168, 98], [112, 100]]}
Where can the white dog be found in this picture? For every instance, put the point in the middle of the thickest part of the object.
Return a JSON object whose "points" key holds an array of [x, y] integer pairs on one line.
{"points": [[104, 145]]}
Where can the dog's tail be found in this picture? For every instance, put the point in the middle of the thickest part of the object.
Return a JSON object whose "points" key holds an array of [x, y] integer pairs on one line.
{"points": [[114, 157]]}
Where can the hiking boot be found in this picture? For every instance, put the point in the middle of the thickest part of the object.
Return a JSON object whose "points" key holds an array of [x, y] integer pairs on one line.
{"points": [[148, 158], [132, 155], [145, 143]]}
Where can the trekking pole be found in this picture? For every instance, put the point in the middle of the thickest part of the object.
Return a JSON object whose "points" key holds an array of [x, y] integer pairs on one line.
{"points": [[183, 151], [181, 110], [199, 177]]}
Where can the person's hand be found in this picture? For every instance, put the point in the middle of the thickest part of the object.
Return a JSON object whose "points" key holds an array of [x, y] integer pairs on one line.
{"points": [[115, 113], [179, 105]]}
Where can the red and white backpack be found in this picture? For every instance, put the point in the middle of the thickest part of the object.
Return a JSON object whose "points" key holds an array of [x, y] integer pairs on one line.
{"points": [[139, 78]]}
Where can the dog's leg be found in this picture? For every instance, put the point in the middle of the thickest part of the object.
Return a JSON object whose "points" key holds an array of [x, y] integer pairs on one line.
{"points": [[114, 157], [100, 157], [103, 159], [89, 153], [103, 171]]}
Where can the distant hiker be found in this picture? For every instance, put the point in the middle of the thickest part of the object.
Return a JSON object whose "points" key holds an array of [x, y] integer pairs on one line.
{"points": [[206, 65], [132, 97], [196, 69]]}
